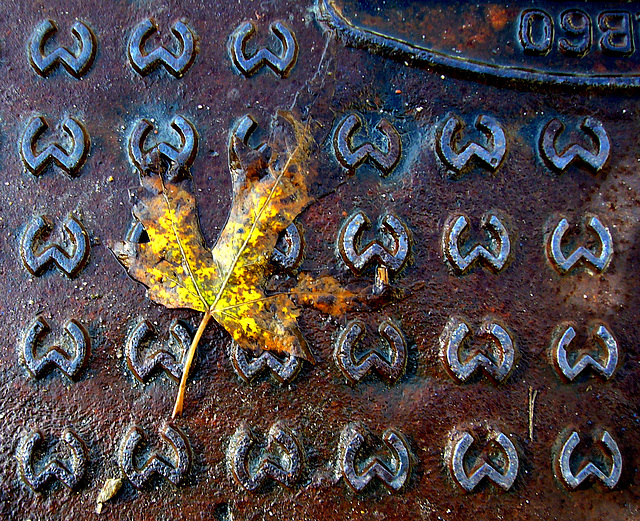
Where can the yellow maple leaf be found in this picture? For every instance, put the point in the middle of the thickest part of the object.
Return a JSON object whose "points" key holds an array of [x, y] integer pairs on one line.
{"points": [[227, 282]]}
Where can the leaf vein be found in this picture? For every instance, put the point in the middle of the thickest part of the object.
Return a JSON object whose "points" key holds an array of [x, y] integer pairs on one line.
{"points": [[182, 251]]}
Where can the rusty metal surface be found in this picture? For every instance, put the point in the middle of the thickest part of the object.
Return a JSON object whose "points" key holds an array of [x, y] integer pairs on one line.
{"points": [[496, 224]]}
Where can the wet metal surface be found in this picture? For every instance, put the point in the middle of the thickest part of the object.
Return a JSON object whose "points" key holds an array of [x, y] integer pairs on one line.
{"points": [[586, 44], [493, 372]]}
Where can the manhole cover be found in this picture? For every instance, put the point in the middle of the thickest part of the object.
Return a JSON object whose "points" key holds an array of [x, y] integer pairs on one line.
{"points": [[423, 218]]}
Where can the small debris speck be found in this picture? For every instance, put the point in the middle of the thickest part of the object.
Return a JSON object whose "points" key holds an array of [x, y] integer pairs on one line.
{"points": [[109, 490]]}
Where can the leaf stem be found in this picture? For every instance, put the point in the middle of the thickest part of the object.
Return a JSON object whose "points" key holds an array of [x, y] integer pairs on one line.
{"points": [[177, 408]]}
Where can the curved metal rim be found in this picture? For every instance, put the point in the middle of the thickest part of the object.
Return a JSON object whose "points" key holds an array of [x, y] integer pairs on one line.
{"points": [[330, 16]]}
